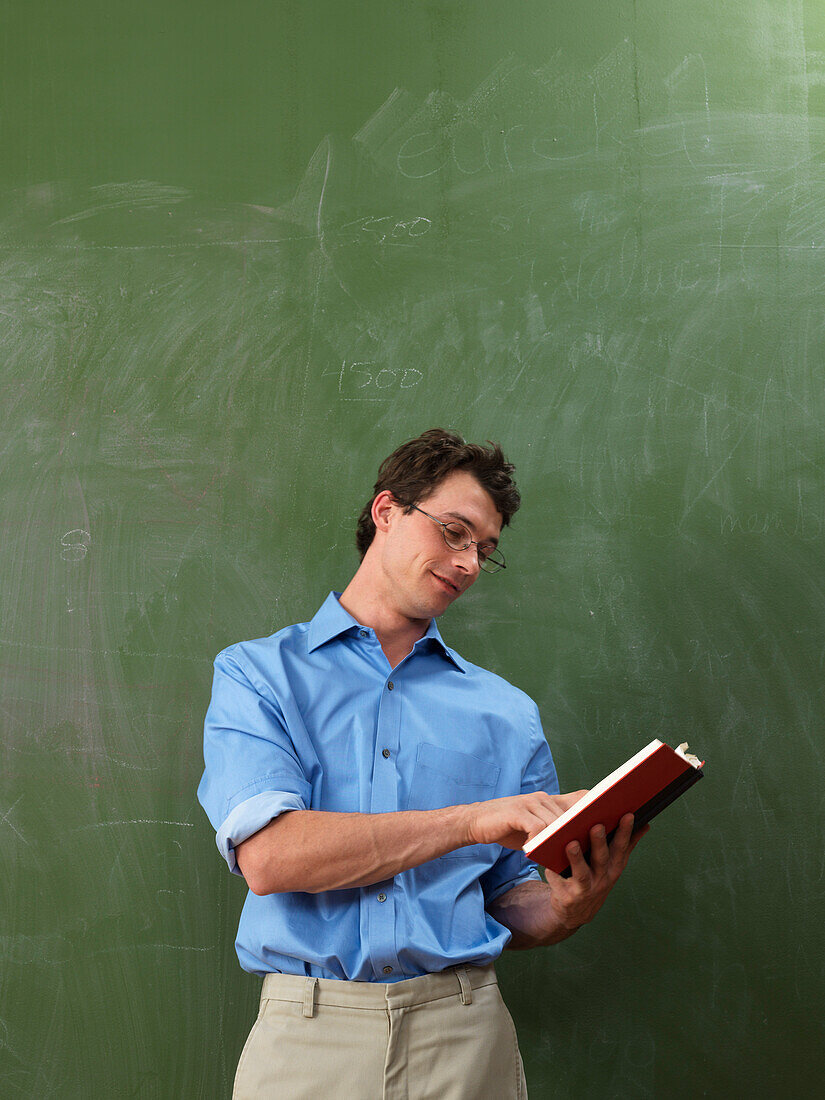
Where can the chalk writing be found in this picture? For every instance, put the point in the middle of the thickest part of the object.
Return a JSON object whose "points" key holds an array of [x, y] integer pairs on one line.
{"points": [[364, 380], [390, 228], [75, 545], [51, 949], [4, 820], [804, 525], [134, 821]]}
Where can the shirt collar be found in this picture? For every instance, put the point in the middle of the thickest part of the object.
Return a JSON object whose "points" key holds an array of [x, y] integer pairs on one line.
{"points": [[331, 621]]}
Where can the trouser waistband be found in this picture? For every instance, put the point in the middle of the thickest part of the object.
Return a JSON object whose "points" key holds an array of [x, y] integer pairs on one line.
{"points": [[312, 992]]}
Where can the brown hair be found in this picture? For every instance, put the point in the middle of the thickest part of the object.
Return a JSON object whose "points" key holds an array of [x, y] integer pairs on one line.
{"points": [[417, 468]]}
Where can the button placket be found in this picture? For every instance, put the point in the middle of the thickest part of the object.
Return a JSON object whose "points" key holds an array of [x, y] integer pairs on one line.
{"points": [[381, 902]]}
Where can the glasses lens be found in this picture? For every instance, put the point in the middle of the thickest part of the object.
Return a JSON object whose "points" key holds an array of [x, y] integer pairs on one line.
{"points": [[456, 536], [492, 562]]}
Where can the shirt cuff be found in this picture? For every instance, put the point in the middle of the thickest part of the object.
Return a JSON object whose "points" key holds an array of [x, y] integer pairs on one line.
{"points": [[249, 817], [531, 874]]}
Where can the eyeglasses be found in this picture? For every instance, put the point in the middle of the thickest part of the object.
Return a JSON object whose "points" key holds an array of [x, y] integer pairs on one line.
{"points": [[457, 537]]}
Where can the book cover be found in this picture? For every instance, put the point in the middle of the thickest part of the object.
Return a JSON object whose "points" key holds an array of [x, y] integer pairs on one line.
{"points": [[643, 786]]}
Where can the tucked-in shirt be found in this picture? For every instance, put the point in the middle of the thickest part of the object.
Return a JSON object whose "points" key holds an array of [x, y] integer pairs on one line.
{"points": [[314, 717]]}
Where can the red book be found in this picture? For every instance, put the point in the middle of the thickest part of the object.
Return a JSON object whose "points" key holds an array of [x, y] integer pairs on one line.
{"points": [[643, 786]]}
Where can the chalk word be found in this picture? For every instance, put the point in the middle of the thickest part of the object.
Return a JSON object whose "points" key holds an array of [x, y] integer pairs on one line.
{"points": [[364, 380], [75, 545], [594, 117], [51, 949], [380, 229], [471, 149], [627, 272], [803, 525]]}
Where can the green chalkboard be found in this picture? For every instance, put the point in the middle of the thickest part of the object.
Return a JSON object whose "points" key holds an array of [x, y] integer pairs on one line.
{"points": [[245, 250]]}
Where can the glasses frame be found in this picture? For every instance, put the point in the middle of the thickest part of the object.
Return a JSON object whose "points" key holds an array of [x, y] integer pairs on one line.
{"points": [[498, 563]]}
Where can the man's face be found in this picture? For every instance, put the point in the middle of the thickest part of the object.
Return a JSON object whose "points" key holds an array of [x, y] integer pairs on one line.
{"points": [[424, 574]]}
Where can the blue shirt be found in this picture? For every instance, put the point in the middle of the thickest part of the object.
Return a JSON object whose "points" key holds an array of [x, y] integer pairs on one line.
{"points": [[315, 718]]}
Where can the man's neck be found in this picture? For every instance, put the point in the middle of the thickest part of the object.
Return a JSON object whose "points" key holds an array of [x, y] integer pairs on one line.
{"points": [[395, 631]]}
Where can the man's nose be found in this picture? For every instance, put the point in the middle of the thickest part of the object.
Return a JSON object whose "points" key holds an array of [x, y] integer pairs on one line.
{"points": [[467, 560]]}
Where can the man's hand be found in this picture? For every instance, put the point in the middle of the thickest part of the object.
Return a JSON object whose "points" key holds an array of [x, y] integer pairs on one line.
{"points": [[512, 821], [537, 913], [577, 899]]}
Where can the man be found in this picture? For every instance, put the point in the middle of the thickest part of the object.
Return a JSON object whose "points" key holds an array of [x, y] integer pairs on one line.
{"points": [[375, 790]]}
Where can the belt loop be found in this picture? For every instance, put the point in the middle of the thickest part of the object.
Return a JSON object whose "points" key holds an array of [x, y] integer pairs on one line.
{"points": [[310, 990], [464, 982]]}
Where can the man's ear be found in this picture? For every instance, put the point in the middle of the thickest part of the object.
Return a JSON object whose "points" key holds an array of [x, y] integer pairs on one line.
{"points": [[383, 508]]}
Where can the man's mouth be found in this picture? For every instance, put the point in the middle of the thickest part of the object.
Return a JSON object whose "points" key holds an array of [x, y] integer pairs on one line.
{"points": [[448, 586]]}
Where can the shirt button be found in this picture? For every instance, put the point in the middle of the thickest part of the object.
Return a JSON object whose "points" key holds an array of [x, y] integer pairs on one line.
{"points": [[390, 685], [362, 633], [385, 753], [382, 897], [388, 970]]}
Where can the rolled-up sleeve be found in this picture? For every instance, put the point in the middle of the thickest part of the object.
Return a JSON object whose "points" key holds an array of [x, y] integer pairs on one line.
{"points": [[252, 773], [539, 774]]}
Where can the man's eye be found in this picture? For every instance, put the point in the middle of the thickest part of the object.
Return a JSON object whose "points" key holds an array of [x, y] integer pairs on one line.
{"points": [[484, 551], [457, 535]]}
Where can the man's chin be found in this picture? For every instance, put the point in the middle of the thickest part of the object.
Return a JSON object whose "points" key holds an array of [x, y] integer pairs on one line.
{"points": [[442, 602], [430, 607]]}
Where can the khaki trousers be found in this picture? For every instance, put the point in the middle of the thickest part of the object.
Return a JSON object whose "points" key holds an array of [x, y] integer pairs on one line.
{"points": [[444, 1036]]}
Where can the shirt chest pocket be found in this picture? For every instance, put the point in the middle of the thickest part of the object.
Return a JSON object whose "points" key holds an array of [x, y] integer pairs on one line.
{"points": [[446, 777]]}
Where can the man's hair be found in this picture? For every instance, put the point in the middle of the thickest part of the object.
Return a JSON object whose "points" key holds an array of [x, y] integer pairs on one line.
{"points": [[415, 470]]}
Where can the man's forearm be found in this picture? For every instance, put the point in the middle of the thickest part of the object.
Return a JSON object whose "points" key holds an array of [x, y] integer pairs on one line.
{"points": [[312, 850], [539, 913], [315, 850], [527, 912]]}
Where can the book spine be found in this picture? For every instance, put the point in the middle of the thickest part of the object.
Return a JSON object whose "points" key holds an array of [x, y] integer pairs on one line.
{"points": [[664, 798]]}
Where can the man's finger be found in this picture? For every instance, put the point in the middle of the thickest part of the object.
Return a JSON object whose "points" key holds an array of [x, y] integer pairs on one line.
{"points": [[599, 852], [621, 840], [533, 824], [634, 840], [578, 864], [624, 841], [569, 799]]}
